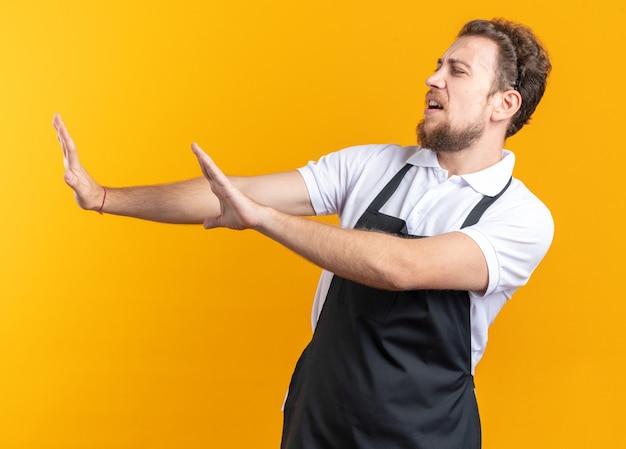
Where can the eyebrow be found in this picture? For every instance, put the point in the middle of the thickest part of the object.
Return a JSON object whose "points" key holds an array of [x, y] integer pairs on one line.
{"points": [[454, 61]]}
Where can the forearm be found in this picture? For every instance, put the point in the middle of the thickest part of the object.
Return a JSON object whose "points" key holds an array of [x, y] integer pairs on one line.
{"points": [[357, 255], [192, 201], [385, 261], [447, 261], [185, 202], [189, 201]]}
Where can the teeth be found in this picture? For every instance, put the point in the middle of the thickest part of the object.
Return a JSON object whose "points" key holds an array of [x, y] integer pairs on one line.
{"points": [[434, 104]]}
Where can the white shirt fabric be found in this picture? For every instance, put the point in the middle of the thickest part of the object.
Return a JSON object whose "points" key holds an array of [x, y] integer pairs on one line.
{"points": [[514, 233]]}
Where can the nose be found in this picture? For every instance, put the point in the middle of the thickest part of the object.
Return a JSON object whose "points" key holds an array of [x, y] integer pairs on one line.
{"points": [[436, 80]]}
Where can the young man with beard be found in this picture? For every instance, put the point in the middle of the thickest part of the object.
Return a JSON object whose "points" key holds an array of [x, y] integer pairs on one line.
{"points": [[433, 240]]}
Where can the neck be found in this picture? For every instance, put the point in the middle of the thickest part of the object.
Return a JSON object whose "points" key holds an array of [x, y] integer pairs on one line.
{"points": [[470, 160]]}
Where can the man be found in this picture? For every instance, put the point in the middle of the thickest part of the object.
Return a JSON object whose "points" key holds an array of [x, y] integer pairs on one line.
{"points": [[433, 240]]}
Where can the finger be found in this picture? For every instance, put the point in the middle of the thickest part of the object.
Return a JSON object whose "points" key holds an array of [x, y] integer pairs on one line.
{"points": [[56, 118], [60, 128], [207, 166], [203, 159], [67, 143], [57, 121], [210, 170]]}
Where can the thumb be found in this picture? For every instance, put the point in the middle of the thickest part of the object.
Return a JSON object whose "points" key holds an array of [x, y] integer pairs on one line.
{"points": [[70, 178], [212, 223]]}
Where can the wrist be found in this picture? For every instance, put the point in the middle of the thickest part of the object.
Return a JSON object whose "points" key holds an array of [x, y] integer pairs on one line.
{"points": [[100, 210], [267, 219]]}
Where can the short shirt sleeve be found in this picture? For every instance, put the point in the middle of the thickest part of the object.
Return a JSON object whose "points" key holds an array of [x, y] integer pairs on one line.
{"points": [[514, 235], [334, 176]]}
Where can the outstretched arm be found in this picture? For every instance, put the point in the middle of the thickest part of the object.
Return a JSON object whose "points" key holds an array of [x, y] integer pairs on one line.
{"points": [[189, 201], [447, 261]]}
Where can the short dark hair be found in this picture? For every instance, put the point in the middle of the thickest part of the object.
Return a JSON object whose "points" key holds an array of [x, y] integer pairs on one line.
{"points": [[523, 63]]}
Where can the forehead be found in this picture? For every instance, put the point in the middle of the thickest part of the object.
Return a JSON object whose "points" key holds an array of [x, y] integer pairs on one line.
{"points": [[479, 53]]}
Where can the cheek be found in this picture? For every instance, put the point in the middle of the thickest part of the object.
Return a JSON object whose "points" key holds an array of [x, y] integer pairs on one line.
{"points": [[475, 104]]}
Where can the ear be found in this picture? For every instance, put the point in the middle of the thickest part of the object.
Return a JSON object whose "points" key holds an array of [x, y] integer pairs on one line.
{"points": [[507, 104]]}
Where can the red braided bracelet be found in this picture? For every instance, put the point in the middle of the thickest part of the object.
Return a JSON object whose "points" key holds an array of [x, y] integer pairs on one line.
{"points": [[101, 210]]}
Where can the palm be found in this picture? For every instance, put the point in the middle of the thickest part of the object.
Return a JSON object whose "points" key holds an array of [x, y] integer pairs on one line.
{"points": [[86, 191], [237, 211]]}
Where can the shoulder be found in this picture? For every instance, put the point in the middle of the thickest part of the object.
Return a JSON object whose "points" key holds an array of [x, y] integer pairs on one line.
{"points": [[519, 215], [337, 175], [524, 206], [361, 153], [356, 161], [514, 234]]}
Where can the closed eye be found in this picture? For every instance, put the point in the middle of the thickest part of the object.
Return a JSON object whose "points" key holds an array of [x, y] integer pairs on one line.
{"points": [[455, 69]]}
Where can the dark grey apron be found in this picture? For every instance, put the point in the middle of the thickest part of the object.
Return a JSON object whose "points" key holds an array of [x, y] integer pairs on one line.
{"points": [[386, 369]]}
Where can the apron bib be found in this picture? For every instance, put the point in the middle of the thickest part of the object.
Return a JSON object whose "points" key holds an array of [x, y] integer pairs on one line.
{"points": [[386, 369]]}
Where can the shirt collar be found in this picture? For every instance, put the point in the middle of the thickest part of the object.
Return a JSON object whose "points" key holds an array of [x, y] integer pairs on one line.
{"points": [[489, 181], [424, 158]]}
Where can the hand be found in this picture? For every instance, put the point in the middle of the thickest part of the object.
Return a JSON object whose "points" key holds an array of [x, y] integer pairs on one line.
{"points": [[87, 192], [237, 211]]}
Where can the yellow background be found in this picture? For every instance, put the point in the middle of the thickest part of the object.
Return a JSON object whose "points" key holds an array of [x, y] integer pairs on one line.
{"points": [[117, 333]]}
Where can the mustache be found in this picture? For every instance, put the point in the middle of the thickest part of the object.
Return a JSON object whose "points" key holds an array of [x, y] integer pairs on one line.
{"points": [[433, 95]]}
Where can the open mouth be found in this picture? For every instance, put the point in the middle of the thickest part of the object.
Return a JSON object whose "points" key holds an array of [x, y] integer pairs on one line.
{"points": [[432, 104]]}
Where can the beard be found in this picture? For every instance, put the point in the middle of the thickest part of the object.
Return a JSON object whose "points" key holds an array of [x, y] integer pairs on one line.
{"points": [[445, 139]]}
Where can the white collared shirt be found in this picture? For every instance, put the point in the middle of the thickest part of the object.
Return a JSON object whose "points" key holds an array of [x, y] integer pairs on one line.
{"points": [[514, 233]]}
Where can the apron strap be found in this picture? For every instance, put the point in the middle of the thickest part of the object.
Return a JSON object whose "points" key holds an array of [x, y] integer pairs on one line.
{"points": [[471, 219], [389, 189], [482, 206]]}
